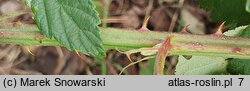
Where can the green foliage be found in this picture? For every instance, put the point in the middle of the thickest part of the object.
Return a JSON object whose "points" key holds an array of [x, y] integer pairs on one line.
{"points": [[246, 32], [98, 5], [147, 69], [201, 65], [248, 6], [236, 32], [74, 23], [234, 12], [231, 11], [242, 31], [239, 66]]}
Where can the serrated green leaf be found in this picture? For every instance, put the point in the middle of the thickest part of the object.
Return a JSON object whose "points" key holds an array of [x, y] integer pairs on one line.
{"points": [[235, 32], [98, 5], [74, 23], [231, 11], [242, 31], [201, 65]]}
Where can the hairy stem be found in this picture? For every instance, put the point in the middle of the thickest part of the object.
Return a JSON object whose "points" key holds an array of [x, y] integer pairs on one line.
{"points": [[124, 39]]}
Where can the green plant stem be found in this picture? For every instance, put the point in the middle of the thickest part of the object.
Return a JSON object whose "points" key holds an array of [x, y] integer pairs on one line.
{"points": [[105, 13], [124, 39]]}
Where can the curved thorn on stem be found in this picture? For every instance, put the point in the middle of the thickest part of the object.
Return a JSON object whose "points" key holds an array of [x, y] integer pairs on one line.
{"points": [[144, 26], [220, 28]]}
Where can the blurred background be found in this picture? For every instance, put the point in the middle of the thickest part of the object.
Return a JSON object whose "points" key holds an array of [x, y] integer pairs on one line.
{"points": [[166, 16]]}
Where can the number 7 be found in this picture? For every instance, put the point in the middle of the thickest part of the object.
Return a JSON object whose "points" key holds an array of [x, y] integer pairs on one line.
{"points": [[241, 80]]}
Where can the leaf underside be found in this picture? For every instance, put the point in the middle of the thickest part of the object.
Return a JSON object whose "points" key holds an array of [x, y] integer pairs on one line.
{"points": [[201, 65], [74, 23]]}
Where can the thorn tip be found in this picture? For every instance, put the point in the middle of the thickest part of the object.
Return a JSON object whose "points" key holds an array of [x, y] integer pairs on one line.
{"points": [[144, 26], [220, 28]]}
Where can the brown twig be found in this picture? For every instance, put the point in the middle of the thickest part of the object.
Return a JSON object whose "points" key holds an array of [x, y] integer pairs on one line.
{"points": [[175, 17]]}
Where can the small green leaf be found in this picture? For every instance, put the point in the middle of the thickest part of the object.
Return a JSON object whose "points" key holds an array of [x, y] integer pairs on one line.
{"points": [[74, 23], [231, 11], [201, 65], [242, 31], [235, 32]]}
